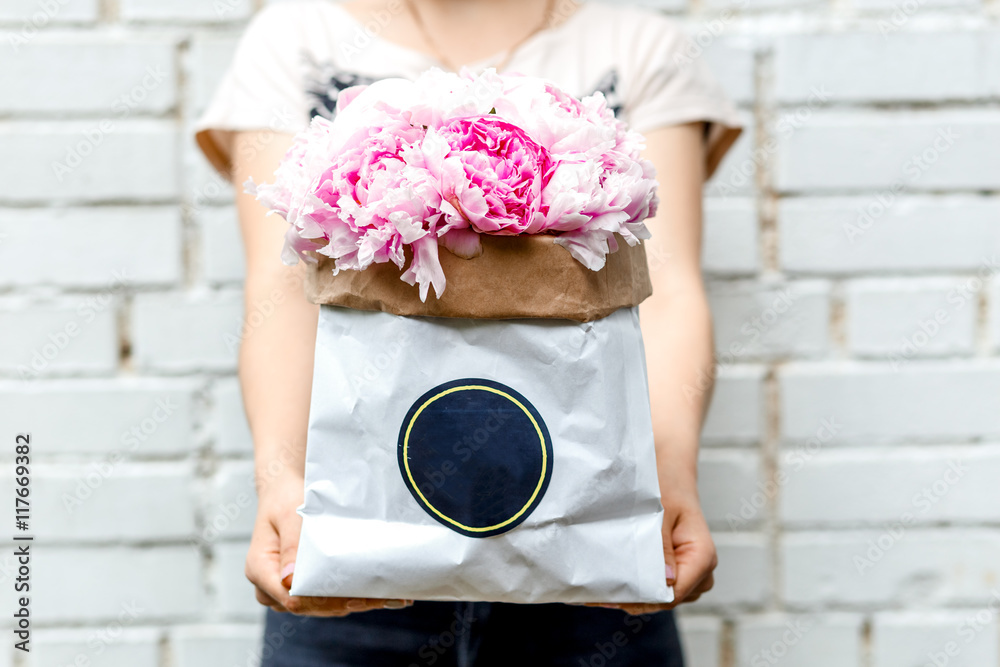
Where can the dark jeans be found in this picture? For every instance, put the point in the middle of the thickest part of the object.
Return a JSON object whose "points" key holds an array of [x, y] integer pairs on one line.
{"points": [[474, 634]]}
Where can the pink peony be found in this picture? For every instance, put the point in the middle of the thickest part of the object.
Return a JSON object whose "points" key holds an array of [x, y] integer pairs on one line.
{"points": [[448, 157]]}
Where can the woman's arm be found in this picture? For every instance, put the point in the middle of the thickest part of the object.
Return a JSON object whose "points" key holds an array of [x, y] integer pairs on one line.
{"points": [[677, 330], [275, 371]]}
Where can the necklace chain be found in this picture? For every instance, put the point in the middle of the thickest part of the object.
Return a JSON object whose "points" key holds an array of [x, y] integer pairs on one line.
{"points": [[545, 23]]}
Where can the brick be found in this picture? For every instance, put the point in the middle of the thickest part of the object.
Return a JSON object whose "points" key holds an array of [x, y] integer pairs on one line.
{"points": [[32, 16], [911, 150], [96, 248], [731, 245], [98, 647], [235, 593], [728, 481], [736, 175], [182, 332], [89, 161], [135, 586], [954, 638], [995, 315], [872, 403], [232, 433], [869, 67], [231, 506], [929, 485], [827, 640], [754, 321], [736, 413], [74, 503], [914, 566], [743, 576], [222, 255], [136, 76], [212, 645], [186, 10], [900, 319], [833, 235], [64, 335], [135, 417], [701, 639], [208, 57]]}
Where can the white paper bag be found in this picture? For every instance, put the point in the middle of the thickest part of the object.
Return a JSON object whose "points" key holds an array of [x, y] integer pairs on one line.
{"points": [[471, 459]]}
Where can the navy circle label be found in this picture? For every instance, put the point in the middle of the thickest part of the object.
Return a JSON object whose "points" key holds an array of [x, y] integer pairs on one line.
{"points": [[476, 456]]}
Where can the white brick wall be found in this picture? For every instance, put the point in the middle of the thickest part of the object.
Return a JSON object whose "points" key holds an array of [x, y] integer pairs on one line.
{"points": [[852, 251]]}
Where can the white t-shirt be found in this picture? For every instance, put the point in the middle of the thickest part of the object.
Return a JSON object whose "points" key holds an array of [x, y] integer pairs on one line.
{"points": [[294, 58]]}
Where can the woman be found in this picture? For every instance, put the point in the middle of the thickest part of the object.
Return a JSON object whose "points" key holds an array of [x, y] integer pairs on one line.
{"points": [[291, 64]]}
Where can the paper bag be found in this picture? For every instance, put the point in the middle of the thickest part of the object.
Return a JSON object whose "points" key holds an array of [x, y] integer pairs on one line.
{"points": [[515, 277], [471, 459]]}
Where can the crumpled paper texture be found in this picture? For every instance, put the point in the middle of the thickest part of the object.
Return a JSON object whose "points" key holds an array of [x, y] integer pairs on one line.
{"points": [[595, 533]]}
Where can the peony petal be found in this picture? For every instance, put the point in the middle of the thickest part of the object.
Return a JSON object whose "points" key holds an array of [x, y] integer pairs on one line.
{"points": [[425, 268], [588, 248], [464, 243]]}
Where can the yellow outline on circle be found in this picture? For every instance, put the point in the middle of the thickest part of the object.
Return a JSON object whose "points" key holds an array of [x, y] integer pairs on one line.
{"points": [[416, 487]]}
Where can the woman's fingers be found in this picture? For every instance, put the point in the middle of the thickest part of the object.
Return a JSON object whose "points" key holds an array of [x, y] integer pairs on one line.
{"points": [[695, 555], [267, 600], [289, 525], [262, 563], [323, 606]]}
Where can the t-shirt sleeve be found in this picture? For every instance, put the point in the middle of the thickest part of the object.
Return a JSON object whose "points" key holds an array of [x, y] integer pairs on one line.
{"points": [[673, 84], [261, 89]]}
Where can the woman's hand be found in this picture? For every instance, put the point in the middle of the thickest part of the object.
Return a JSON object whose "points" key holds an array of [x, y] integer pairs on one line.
{"points": [[688, 550], [271, 558]]}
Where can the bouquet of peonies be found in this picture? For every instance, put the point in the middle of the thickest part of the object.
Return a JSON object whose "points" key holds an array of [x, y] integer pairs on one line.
{"points": [[446, 158], [476, 456]]}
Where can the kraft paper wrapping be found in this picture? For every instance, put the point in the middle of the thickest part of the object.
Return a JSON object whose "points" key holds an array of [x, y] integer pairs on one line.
{"points": [[515, 277]]}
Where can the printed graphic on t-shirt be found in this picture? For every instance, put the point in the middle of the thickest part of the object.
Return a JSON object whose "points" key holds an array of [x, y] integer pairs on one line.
{"points": [[325, 82], [324, 86]]}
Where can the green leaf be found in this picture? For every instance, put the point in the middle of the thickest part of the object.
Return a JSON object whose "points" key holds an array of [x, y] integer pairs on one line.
{"points": [[493, 110]]}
